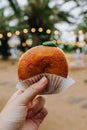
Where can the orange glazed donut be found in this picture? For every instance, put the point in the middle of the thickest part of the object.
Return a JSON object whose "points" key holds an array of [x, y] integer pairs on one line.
{"points": [[42, 59]]}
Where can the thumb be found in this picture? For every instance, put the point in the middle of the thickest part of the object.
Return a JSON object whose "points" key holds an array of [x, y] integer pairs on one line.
{"points": [[31, 92]]}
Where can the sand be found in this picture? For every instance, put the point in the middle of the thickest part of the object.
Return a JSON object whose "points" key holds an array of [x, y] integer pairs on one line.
{"points": [[66, 111]]}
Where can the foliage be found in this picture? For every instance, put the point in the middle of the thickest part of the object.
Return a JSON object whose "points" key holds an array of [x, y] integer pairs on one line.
{"points": [[37, 13], [83, 25]]}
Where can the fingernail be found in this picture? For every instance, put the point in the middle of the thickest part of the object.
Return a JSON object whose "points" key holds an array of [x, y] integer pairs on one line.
{"points": [[43, 81]]}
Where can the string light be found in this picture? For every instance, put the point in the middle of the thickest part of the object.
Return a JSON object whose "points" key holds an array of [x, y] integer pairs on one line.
{"points": [[54, 41], [17, 32], [80, 32], [33, 30], [24, 44], [48, 31], [40, 29], [9, 34], [58, 41], [25, 30], [29, 42], [56, 32], [1, 35]]}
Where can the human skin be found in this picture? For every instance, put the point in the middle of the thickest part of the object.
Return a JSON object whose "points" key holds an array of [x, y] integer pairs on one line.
{"points": [[25, 110]]}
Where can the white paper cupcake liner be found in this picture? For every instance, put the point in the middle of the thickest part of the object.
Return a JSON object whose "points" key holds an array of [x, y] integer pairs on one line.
{"points": [[56, 84]]}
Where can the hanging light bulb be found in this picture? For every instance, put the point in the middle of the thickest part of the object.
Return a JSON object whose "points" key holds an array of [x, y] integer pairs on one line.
{"points": [[58, 41], [80, 32], [29, 42], [24, 44], [54, 41], [9, 34], [1, 35], [33, 30], [48, 31], [56, 32], [25, 30], [40, 29], [17, 32]]}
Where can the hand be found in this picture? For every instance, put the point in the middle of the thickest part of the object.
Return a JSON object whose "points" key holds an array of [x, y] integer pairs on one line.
{"points": [[24, 110], [36, 114]]}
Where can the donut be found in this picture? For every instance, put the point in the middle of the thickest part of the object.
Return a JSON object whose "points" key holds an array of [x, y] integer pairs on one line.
{"points": [[42, 59]]}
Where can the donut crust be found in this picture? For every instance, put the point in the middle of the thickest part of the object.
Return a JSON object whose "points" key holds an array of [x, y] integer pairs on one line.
{"points": [[42, 59]]}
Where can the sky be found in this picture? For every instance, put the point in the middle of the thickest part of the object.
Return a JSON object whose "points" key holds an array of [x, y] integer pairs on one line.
{"points": [[65, 28]]}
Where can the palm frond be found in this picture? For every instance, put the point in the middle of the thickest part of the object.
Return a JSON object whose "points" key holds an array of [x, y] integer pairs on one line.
{"points": [[14, 5], [63, 16]]}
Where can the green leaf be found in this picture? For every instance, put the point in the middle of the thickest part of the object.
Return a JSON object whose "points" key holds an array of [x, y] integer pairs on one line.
{"points": [[49, 43]]}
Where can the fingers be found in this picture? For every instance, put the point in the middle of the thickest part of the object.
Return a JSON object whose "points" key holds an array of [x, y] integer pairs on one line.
{"points": [[39, 117], [36, 106], [30, 93], [41, 114], [17, 93]]}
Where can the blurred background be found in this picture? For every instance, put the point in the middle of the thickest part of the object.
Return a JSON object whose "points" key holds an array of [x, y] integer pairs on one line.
{"points": [[28, 23]]}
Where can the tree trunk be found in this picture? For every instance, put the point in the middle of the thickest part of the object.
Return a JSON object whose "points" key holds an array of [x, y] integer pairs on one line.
{"points": [[36, 40]]}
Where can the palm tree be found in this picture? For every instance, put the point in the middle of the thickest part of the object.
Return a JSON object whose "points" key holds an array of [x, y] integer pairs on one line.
{"points": [[4, 28], [40, 14], [83, 24], [36, 14]]}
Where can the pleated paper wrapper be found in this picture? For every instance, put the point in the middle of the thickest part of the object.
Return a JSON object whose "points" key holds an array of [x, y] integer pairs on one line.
{"points": [[56, 84]]}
